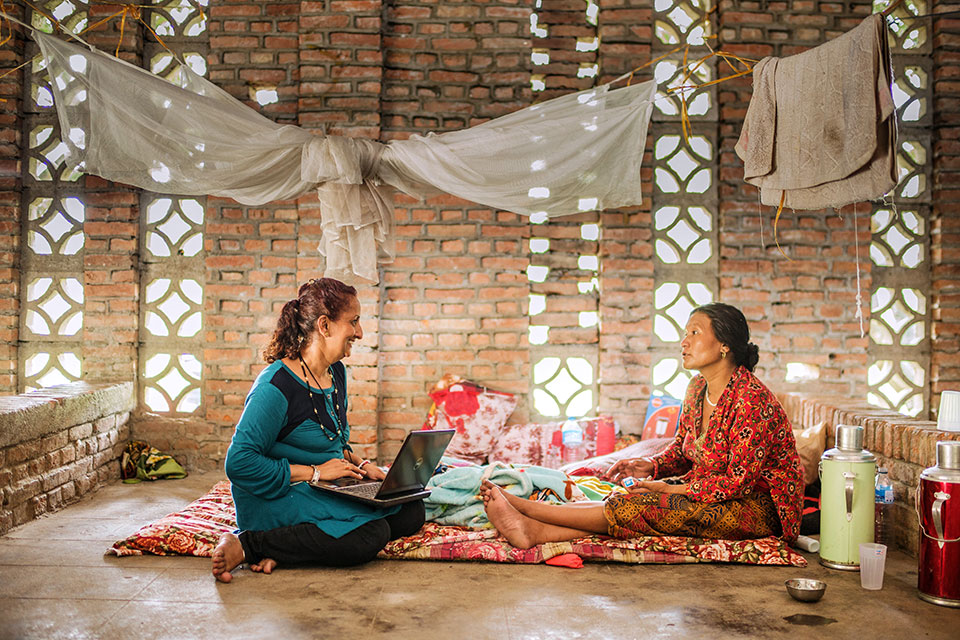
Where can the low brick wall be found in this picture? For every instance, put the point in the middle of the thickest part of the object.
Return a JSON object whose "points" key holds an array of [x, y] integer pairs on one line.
{"points": [[59, 443], [903, 445]]}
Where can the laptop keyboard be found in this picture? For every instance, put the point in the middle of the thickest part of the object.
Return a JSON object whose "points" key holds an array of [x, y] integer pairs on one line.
{"points": [[367, 490]]}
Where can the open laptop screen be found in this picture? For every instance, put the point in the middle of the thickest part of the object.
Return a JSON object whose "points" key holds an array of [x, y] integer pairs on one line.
{"points": [[416, 461]]}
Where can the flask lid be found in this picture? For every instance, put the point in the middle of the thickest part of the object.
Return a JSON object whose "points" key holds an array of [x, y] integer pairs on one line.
{"points": [[948, 455], [849, 437]]}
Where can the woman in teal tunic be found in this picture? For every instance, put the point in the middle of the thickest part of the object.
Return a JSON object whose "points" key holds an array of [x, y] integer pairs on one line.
{"points": [[294, 429]]}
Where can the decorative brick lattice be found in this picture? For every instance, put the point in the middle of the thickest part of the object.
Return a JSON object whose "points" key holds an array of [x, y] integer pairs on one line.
{"points": [[898, 374], [53, 212], [173, 273], [685, 206], [563, 305]]}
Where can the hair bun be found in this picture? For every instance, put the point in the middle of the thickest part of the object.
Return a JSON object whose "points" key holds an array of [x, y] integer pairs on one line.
{"points": [[753, 356]]}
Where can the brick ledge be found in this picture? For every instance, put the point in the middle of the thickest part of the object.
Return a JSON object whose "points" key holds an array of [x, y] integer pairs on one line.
{"points": [[44, 411], [887, 433]]}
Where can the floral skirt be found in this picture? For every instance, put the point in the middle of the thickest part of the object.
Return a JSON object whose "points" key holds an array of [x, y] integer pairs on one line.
{"points": [[669, 514]]}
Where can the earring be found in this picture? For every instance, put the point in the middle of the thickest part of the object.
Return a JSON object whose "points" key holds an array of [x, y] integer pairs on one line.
{"points": [[723, 354]]}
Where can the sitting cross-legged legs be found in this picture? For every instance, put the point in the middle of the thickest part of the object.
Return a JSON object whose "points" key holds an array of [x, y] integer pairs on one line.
{"points": [[306, 544]]}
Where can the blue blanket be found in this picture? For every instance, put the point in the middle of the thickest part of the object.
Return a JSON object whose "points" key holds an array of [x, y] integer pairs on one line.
{"points": [[455, 494]]}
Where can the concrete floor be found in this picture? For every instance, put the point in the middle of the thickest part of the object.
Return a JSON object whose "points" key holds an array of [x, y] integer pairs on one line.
{"points": [[55, 582]]}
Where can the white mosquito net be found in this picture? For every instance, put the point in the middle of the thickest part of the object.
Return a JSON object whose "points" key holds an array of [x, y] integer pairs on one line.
{"points": [[579, 152]]}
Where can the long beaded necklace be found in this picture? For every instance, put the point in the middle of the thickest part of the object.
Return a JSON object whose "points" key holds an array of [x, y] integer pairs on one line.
{"points": [[336, 403]]}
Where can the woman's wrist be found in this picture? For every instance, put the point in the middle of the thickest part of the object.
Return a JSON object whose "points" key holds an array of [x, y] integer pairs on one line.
{"points": [[362, 463]]}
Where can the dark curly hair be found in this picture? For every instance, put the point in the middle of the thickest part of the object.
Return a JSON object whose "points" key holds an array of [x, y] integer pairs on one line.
{"points": [[730, 327], [298, 318]]}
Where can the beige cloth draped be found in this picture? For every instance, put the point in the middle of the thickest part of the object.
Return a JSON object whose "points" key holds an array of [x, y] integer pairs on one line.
{"points": [[820, 127]]}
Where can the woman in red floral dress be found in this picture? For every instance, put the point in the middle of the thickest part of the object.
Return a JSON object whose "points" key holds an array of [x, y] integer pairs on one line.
{"points": [[739, 473]]}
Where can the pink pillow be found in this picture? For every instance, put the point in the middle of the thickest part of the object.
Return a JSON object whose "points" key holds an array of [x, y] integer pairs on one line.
{"points": [[524, 443], [528, 443], [598, 465], [477, 413]]}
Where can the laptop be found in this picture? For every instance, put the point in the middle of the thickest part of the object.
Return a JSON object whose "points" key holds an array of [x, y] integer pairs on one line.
{"points": [[407, 477]]}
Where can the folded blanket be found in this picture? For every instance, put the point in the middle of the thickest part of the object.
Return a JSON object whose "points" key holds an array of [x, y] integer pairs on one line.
{"points": [[455, 494], [820, 129]]}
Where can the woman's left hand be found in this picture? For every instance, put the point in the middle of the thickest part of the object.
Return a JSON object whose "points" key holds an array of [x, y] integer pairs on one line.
{"points": [[372, 471], [656, 486], [369, 469]]}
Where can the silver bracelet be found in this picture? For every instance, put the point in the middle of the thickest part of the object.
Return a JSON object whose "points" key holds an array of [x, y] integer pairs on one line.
{"points": [[316, 474]]}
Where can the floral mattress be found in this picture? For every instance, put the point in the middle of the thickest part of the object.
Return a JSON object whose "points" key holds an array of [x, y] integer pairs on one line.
{"points": [[195, 529]]}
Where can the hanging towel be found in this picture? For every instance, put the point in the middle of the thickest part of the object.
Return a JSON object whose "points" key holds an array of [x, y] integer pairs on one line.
{"points": [[821, 125]]}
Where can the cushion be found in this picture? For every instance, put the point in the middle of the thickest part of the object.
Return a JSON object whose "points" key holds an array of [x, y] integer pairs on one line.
{"points": [[476, 412], [663, 414], [810, 445], [598, 465], [527, 443], [192, 531]]}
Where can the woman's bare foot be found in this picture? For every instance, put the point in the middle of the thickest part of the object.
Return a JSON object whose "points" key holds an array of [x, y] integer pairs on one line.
{"points": [[487, 489], [227, 555], [267, 565], [512, 525]]}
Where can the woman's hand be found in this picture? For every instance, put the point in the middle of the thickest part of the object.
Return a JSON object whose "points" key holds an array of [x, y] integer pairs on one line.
{"points": [[369, 470], [629, 467], [338, 468], [372, 471], [656, 486]]}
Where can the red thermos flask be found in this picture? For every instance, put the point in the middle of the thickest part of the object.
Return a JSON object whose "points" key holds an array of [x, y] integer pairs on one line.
{"points": [[938, 508]]}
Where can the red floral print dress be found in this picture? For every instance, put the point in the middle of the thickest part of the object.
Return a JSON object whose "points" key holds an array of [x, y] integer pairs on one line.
{"points": [[748, 447]]}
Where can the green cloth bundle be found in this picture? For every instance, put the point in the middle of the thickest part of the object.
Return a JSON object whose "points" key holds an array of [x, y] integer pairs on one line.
{"points": [[140, 461]]}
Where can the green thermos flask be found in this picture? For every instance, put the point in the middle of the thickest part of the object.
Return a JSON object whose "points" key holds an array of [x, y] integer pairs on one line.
{"points": [[847, 475]]}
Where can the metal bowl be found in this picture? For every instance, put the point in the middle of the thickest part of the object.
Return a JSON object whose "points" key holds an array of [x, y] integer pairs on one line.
{"points": [[806, 589]]}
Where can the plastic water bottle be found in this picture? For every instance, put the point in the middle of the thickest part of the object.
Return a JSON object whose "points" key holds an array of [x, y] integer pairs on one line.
{"points": [[554, 455], [883, 498], [573, 447]]}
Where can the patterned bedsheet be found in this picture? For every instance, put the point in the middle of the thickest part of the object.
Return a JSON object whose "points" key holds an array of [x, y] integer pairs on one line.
{"points": [[194, 530]]}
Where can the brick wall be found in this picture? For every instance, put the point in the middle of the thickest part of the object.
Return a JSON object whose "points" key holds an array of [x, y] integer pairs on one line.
{"points": [[340, 92], [58, 444], [455, 299], [110, 251], [11, 56], [801, 307], [626, 249], [945, 225]]}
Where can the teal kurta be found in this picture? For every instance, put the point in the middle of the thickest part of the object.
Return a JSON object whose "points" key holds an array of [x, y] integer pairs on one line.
{"points": [[259, 466]]}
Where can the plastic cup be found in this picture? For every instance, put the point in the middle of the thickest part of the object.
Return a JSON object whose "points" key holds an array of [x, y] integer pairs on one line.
{"points": [[873, 557]]}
